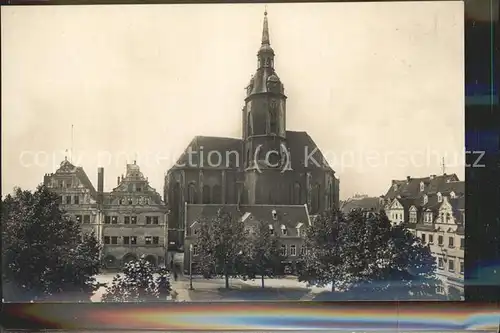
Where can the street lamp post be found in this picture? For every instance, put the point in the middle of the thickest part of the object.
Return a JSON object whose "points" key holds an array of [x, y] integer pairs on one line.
{"points": [[191, 267]]}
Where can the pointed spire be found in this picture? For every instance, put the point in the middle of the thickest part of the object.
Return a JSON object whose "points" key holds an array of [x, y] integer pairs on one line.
{"points": [[265, 30]]}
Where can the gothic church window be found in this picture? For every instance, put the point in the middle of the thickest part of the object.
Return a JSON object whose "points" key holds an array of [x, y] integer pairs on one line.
{"points": [[216, 194], [296, 194], [206, 194], [191, 193]]}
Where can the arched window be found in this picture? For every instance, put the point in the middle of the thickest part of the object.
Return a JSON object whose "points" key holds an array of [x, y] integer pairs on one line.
{"points": [[297, 200], [206, 194], [249, 124], [191, 193], [217, 194], [273, 120], [315, 199]]}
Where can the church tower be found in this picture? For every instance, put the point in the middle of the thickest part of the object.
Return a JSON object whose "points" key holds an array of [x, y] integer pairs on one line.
{"points": [[264, 127]]}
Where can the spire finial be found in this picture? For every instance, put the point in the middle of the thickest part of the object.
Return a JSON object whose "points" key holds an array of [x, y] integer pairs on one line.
{"points": [[443, 166], [265, 29]]}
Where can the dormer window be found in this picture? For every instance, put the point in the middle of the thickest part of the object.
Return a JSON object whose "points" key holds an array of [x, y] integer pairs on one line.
{"points": [[395, 187], [428, 217], [453, 195], [426, 199], [271, 229], [274, 214], [440, 197], [422, 186], [283, 230]]}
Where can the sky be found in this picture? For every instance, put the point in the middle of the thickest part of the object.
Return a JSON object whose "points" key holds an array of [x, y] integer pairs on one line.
{"points": [[378, 86]]}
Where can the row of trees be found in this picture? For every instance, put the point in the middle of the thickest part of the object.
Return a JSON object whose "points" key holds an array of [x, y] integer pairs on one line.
{"points": [[46, 257], [228, 249], [350, 252]]}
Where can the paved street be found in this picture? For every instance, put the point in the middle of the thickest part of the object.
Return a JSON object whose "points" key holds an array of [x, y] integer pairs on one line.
{"points": [[214, 289]]}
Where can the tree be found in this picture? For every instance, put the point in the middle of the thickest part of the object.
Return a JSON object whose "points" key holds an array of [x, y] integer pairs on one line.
{"points": [[388, 259], [363, 253], [263, 253], [222, 244], [138, 284], [44, 255], [323, 260]]}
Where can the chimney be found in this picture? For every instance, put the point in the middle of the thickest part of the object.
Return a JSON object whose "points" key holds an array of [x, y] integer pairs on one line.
{"points": [[393, 182], [408, 178], [100, 183], [432, 176], [46, 180]]}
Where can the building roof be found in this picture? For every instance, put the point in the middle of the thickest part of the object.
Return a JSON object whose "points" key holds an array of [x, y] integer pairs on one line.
{"points": [[134, 175], [67, 167], [361, 203], [454, 186], [230, 150], [410, 188], [288, 215]]}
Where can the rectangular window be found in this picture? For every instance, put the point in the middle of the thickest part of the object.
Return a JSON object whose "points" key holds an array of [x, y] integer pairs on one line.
{"points": [[284, 231], [283, 250], [148, 219], [156, 240], [440, 240], [148, 240], [61, 183], [107, 219], [126, 240], [293, 250], [451, 242], [60, 200], [134, 219], [126, 220], [114, 240], [76, 199], [106, 240], [68, 200], [155, 220], [133, 240], [451, 265], [68, 185], [440, 263], [195, 250], [271, 231], [461, 267], [114, 220], [423, 238], [86, 218], [78, 218], [302, 250], [431, 239], [462, 243]]}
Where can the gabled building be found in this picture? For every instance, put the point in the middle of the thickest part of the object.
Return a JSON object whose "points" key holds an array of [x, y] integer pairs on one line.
{"points": [[267, 165], [443, 229], [129, 221], [78, 197], [433, 208], [133, 221], [286, 222]]}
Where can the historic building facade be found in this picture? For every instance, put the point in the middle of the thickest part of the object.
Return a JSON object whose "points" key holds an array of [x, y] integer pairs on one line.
{"points": [[129, 221], [268, 165], [434, 209], [288, 223]]}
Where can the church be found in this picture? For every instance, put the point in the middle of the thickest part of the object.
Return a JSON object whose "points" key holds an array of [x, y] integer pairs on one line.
{"points": [[267, 168]]}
